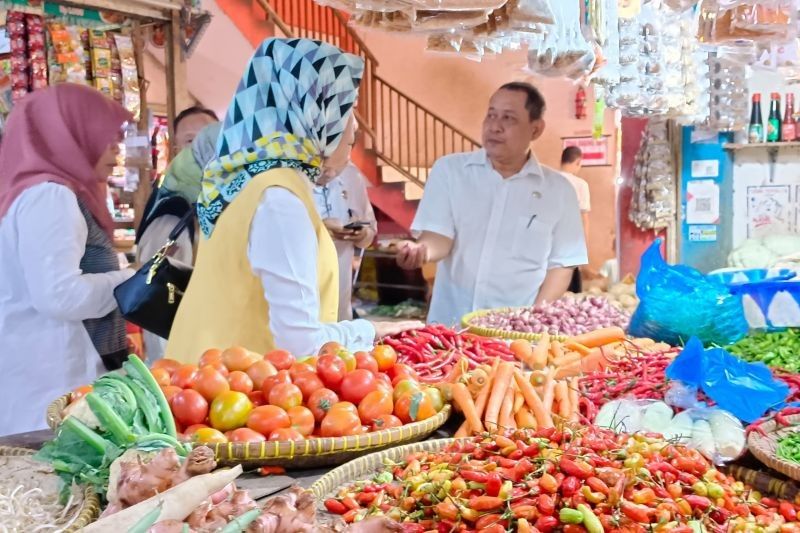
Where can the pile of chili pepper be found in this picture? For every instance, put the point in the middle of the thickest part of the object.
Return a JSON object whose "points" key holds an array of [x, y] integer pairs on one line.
{"points": [[434, 351], [571, 480]]}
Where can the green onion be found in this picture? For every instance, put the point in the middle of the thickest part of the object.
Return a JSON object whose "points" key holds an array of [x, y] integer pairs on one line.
{"points": [[137, 370], [120, 432]]}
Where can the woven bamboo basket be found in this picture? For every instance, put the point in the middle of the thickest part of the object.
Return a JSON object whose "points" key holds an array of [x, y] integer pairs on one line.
{"points": [[308, 453], [89, 510], [368, 465], [467, 319], [763, 447], [764, 482]]}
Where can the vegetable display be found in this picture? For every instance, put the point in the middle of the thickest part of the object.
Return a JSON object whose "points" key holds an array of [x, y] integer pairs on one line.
{"points": [[238, 396], [778, 349], [434, 351], [124, 410], [622, 293], [789, 447], [572, 480], [570, 315]]}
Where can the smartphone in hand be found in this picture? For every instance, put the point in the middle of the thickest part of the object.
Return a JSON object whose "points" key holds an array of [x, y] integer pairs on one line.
{"points": [[355, 226]]}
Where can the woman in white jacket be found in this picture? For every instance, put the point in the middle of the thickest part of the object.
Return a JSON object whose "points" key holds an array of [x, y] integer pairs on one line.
{"points": [[59, 323]]}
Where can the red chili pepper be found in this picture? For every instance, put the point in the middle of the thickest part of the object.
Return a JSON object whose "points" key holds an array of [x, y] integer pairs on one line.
{"points": [[365, 499], [546, 524], [788, 511], [636, 512], [546, 504], [486, 503], [578, 468], [271, 471], [570, 486], [493, 484], [335, 506], [472, 475], [698, 502], [597, 485]]}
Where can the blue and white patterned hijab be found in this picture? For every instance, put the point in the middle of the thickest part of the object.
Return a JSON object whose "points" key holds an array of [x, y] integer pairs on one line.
{"points": [[290, 110]]}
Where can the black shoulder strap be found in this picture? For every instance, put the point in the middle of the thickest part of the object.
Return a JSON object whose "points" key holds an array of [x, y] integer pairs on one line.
{"points": [[187, 219]]}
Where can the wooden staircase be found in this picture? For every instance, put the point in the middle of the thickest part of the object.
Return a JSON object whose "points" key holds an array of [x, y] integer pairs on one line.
{"points": [[401, 136]]}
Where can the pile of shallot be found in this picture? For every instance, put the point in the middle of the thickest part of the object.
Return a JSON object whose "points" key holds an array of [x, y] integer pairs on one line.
{"points": [[569, 316]]}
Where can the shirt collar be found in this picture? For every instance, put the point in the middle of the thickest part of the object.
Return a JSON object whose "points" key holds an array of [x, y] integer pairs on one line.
{"points": [[531, 168]]}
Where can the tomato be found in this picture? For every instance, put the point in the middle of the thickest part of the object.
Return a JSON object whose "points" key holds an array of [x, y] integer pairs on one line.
{"points": [[310, 361], [280, 359], [229, 410], [413, 407], [257, 397], [376, 403], [331, 371], [348, 358], [210, 383], [246, 435], [170, 391], [344, 406], [302, 420], [437, 399], [385, 356], [271, 381], [308, 382], [162, 376], [356, 385], [339, 423], [299, 368], [330, 348], [240, 382], [170, 365], [267, 418], [221, 368], [386, 422], [184, 376], [259, 371], [212, 357], [404, 386], [83, 390], [366, 362], [286, 434], [400, 369], [384, 380], [189, 407], [285, 396], [207, 435], [320, 401], [194, 427], [238, 358]]}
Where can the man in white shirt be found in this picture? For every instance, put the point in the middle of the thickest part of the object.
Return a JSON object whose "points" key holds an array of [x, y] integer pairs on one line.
{"points": [[341, 202], [571, 162], [505, 230]]}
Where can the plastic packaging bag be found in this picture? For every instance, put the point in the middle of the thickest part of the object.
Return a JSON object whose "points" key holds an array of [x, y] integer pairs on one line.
{"points": [[678, 302], [746, 390]]}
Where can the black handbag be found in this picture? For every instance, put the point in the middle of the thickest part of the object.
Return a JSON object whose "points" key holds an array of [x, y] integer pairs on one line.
{"points": [[150, 298]]}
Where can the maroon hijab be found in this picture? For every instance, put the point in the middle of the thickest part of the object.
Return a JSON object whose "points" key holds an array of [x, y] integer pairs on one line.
{"points": [[58, 135]]}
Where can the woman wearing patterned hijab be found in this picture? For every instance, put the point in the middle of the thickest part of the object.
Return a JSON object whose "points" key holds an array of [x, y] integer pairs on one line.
{"points": [[266, 273]]}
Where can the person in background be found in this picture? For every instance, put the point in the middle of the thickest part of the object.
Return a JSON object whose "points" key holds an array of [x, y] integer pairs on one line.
{"points": [[571, 162], [344, 201], [506, 230], [174, 198], [610, 269], [267, 274], [188, 124], [59, 323]]}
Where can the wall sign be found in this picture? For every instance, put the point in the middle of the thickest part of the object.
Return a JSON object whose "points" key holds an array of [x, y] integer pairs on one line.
{"points": [[595, 151]]}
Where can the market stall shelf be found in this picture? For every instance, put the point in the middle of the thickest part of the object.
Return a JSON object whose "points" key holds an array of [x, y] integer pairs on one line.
{"points": [[308, 453], [764, 445], [90, 507]]}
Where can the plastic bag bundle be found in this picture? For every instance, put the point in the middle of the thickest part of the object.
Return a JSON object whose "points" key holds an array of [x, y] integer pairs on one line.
{"points": [[729, 101], [605, 32], [564, 51], [653, 200], [678, 302], [727, 21]]}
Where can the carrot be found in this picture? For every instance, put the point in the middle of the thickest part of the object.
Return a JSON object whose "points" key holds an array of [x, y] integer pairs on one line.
{"points": [[458, 370], [483, 396], [556, 350], [522, 351], [540, 351], [463, 400], [524, 419], [519, 400], [477, 381], [600, 337], [566, 359], [562, 395], [500, 387], [463, 431], [569, 370], [549, 392], [543, 418], [506, 417], [577, 347], [574, 399], [176, 503]]}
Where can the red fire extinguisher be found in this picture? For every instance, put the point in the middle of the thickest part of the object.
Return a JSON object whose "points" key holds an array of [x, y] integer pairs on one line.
{"points": [[580, 103]]}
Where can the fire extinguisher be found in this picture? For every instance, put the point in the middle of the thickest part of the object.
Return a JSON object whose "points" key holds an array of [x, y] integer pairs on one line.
{"points": [[580, 103]]}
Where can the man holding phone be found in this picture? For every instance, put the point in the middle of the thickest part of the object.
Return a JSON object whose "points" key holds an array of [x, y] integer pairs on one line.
{"points": [[344, 206]]}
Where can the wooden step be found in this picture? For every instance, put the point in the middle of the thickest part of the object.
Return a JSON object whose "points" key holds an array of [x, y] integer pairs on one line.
{"points": [[412, 192], [391, 175]]}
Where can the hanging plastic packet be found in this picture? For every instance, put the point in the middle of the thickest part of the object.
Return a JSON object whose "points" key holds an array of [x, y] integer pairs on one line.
{"points": [[130, 75]]}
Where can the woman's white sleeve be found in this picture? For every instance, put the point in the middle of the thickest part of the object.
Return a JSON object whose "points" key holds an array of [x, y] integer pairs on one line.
{"points": [[283, 254], [52, 240]]}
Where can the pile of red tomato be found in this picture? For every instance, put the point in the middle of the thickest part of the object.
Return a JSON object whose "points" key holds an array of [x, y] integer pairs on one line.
{"points": [[237, 395]]}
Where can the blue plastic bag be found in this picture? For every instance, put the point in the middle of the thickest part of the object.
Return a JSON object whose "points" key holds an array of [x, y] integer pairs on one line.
{"points": [[678, 302], [747, 390]]}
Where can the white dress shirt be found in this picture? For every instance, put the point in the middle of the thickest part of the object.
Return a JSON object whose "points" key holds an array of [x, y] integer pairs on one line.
{"points": [[507, 233], [282, 250], [345, 199], [582, 190], [45, 350]]}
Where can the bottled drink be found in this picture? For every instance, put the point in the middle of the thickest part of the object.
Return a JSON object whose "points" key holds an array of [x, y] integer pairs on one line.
{"points": [[774, 120], [788, 128], [755, 132]]}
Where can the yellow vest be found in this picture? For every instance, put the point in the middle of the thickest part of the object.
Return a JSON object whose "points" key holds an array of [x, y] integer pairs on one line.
{"points": [[224, 304]]}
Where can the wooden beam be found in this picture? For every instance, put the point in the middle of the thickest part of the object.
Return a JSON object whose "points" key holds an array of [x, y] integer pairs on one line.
{"points": [[142, 192]]}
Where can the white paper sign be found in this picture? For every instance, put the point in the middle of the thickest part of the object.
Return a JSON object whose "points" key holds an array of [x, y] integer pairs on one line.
{"points": [[705, 168], [702, 202], [769, 211]]}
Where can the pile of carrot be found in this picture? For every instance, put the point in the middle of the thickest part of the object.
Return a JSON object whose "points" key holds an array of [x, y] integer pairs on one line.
{"points": [[545, 391]]}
